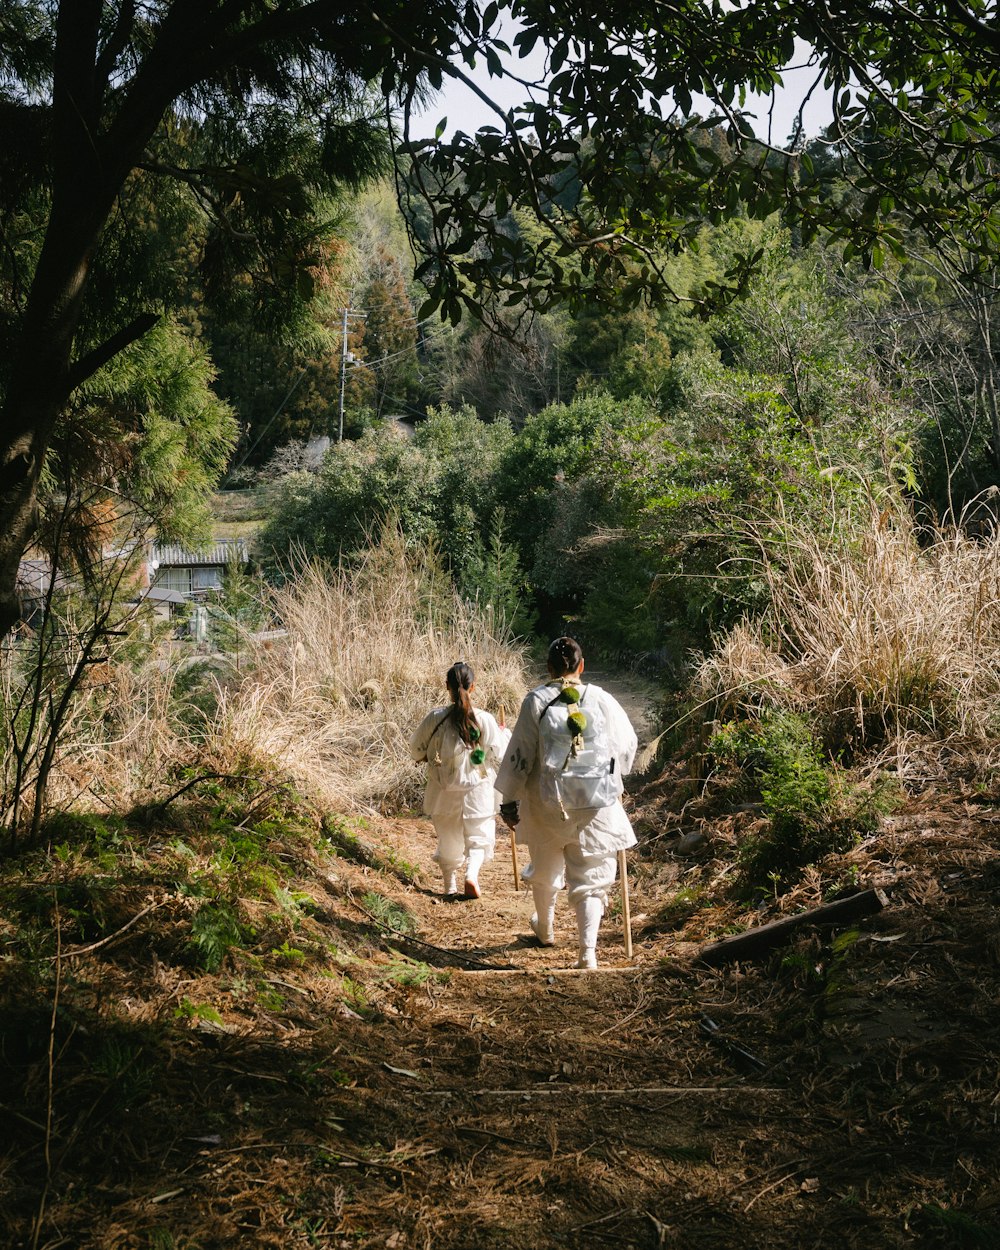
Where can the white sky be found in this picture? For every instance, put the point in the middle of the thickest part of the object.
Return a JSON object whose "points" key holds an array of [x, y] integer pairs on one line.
{"points": [[465, 111]]}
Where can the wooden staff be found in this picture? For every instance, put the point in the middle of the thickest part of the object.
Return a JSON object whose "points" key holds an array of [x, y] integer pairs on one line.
{"points": [[626, 907], [513, 832]]}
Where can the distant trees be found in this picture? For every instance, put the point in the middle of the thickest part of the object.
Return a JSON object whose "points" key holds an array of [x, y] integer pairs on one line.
{"points": [[257, 109], [635, 513]]}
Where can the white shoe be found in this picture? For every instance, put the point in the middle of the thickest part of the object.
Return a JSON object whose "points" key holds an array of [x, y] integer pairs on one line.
{"points": [[450, 884], [543, 932], [588, 959]]}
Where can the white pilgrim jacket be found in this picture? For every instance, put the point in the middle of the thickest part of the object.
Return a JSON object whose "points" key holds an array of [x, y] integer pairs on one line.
{"points": [[480, 801], [600, 830]]}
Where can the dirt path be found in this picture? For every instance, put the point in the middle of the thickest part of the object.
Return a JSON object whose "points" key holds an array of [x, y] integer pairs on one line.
{"points": [[636, 695], [569, 1108]]}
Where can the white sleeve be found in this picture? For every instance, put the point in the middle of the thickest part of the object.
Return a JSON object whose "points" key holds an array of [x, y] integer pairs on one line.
{"points": [[521, 754], [420, 740], [495, 740]]}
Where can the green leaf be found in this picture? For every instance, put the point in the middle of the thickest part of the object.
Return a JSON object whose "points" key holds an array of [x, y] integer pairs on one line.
{"points": [[428, 308]]}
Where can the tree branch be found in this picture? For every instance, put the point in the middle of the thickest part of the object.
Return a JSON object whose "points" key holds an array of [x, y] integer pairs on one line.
{"points": [[89, 364], [73, 92], [117, 43]]}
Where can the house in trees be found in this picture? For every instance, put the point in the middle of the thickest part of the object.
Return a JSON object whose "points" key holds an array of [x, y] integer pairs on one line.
{"points": [[184, 577]]}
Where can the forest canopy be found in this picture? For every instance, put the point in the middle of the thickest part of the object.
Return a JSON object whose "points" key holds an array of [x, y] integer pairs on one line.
{"points": [[151, 148]]}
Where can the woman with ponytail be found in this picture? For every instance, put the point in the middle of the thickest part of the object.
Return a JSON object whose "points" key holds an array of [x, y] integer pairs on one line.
{"points": [[463, 747]]}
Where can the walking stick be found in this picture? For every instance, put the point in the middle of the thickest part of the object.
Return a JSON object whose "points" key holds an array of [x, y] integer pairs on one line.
{"points": [[626, 908], [513, 832]]}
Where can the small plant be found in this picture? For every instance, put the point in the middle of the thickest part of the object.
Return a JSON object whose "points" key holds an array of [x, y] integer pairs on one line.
{"points": [[215, 929], [356, 998], [391, 914], [410, 973], [187, 1010], [121, 1062], [294, 903], [289, 954], [269, 999], [958, 1228], [813, 812]]}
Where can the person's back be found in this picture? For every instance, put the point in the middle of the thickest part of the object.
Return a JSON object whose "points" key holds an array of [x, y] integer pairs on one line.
{"points": [[463, 746], [562, 781]]}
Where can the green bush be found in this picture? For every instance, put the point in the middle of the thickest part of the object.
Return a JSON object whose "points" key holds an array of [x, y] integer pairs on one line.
{"points": [[812, 810]]}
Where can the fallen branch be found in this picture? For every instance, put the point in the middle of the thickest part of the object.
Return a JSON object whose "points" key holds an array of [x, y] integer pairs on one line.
{"points": [[756, 942], [588, 1092], [161, 805], [742, 1059], [85, 950]]}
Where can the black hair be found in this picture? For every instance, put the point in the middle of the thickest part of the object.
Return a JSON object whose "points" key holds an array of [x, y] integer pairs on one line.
{"points": [[564, 656], [459, 679]]}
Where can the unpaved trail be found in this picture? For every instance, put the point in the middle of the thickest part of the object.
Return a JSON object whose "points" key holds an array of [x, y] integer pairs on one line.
{"points": [[637, 696], [569, 1108]]}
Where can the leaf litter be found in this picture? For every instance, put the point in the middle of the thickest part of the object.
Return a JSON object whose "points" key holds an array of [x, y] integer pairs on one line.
{"points": [[367, 1095]]}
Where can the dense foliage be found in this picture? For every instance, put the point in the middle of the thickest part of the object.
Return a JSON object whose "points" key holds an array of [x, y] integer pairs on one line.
{"points": [[142, 143], [631, 509]]}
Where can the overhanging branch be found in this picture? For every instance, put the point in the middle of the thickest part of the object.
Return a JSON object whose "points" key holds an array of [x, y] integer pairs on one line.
{"points": [[96, 359]]}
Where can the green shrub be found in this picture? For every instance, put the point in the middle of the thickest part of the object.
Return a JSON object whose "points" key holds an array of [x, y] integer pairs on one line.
{"points": [[812, 810]]}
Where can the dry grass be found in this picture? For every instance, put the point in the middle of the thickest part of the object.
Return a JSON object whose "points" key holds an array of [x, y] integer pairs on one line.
{"points": [[330, 702], [364, 659], [885, 635]]}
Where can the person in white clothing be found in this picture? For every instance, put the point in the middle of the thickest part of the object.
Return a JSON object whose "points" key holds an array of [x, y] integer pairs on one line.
{"points": [[561, 782], [463, 747]]}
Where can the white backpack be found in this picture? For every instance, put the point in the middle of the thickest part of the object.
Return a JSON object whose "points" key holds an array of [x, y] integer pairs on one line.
{"points": [[578, 769], [451, 765]]}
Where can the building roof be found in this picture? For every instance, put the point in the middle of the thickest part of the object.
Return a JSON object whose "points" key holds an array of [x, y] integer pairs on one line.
{"points": [[158, 594], [222, 551]]}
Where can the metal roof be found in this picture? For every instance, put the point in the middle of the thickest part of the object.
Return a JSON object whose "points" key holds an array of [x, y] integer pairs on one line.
{"points": [[222, 551], [158, 594]]}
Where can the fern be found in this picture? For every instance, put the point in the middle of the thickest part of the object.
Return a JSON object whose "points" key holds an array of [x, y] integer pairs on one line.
{"points": [[215, 929]]}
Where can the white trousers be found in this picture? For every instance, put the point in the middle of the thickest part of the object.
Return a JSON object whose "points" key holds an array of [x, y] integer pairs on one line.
{"points": [[586, 876], [458, 835]]}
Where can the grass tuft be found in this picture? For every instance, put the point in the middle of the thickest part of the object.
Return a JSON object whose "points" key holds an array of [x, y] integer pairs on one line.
{"points": [[873, 633]]}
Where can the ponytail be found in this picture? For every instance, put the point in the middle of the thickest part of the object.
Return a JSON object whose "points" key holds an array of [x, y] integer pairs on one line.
{"points": [[459, 679]]}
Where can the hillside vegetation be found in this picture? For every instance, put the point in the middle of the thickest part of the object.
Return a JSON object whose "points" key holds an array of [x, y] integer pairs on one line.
{"points": [[234, 1008]]}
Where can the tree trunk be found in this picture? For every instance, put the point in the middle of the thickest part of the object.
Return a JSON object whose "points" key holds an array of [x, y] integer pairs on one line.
{"points": [[40, 381]]}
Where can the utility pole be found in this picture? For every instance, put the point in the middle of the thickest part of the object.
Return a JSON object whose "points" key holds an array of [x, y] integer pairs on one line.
{"points": [[345, 358]]}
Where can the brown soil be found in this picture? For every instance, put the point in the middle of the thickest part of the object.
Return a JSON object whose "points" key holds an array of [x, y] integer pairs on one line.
{"points": [[842, 1092]]}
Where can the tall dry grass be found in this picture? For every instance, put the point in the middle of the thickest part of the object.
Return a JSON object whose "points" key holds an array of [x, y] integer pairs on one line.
{"points": [[330, 699], [890, 632], [364, 659]]}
